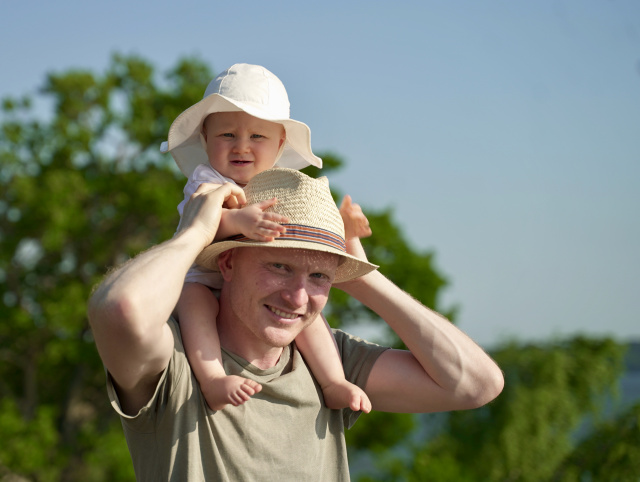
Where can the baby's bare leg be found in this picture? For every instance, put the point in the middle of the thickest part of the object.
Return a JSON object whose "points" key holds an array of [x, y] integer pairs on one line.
{"points": [[317, 345], [197, 311]]}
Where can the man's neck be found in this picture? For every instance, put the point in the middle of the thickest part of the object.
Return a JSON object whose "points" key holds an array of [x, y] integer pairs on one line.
{"points": [[243, 343], [259, 355]]}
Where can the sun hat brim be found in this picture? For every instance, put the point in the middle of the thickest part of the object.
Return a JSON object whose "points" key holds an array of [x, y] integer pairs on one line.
{"points": [[184, 144]]}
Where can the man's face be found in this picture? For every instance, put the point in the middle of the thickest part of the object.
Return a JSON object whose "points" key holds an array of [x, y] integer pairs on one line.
{"points": [[274, 293], [239, 146]]}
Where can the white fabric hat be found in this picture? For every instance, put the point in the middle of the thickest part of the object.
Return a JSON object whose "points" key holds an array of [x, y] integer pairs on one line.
{"points": [[314, 221], [242, 87]]}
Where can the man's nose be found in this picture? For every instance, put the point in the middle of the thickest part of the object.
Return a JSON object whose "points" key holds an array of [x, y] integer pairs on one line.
{"points": [[295, 293]]}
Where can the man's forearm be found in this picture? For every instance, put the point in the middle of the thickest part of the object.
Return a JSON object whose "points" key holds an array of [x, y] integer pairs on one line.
{"points": [[454, 362]]}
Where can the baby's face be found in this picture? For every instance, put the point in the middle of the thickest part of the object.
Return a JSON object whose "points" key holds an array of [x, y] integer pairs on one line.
{"points": [[240, 146]]}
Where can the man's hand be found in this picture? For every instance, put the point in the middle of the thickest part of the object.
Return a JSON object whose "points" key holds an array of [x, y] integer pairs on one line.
{"points": [[203, 211]]}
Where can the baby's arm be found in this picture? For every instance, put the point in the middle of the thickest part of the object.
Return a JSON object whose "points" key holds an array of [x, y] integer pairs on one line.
{"points": [[319, 349], [316, 342], [252, 221]]}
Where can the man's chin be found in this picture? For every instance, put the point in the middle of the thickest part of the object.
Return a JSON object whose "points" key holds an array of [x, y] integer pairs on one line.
{"points": [[279, 337]]}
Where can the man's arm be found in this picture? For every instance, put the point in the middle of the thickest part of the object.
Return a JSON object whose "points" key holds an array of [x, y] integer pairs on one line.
{"points": [[443, 369], [128, 312]]}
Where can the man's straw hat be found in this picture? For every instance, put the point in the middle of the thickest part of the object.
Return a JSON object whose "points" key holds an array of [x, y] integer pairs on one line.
{"points": [[314, 220]]}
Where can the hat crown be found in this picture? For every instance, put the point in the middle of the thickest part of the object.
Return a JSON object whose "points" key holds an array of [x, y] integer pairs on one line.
{"points": [[255, 86], [305, 201]]}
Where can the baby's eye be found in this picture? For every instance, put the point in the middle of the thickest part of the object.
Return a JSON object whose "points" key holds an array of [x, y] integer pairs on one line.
{"points": [[257, 136], [226, 134]]}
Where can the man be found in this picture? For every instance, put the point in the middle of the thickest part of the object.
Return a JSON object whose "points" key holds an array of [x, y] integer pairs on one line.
{"points": [[271, 292]]}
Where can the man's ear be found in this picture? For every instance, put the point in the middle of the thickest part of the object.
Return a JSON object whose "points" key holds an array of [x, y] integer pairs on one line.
{"points": [[225, 264]]}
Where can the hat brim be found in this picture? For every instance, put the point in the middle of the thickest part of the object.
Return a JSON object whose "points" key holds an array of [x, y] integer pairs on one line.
{"points": [[184, 144], [349, 267]]}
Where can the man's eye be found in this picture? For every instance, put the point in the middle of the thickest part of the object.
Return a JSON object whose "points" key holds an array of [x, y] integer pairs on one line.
{"points": [[278, 265], [320, 276]]}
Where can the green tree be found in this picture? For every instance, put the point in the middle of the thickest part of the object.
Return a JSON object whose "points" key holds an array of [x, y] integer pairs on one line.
{"points": [[611, 453]]}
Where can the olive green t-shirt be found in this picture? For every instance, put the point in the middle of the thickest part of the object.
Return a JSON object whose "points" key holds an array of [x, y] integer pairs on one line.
{"points": [[285, 432]]}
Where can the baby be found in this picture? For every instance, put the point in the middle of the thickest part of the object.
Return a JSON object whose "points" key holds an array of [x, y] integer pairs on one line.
{"points": [[239, 129]]}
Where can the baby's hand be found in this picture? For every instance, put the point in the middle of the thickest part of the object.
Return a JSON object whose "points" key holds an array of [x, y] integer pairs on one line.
{"points": [[356, 224], [255, 224]]}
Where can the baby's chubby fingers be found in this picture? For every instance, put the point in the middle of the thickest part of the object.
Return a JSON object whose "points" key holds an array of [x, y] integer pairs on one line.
{"points": [[267, 203], [355, 222], [266, 234], [274, 221], [269, 228], [270, 219], [346, 203]]}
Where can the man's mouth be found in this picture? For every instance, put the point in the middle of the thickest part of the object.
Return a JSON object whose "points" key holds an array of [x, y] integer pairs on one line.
{"points": [[283, 314]]}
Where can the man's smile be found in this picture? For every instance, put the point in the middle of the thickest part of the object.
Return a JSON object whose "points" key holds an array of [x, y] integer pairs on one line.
{"points": [[283, 314]]}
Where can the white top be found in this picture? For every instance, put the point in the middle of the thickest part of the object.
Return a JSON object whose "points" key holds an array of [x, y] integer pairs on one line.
{"points": [[202, 173]]}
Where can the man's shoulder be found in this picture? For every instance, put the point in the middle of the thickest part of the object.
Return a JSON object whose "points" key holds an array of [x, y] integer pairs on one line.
{"points": [[358, 355], [347, 341]]}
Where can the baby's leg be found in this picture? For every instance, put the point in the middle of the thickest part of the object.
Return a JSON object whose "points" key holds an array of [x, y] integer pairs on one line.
{"points": [[197, 311], [317, 345]]}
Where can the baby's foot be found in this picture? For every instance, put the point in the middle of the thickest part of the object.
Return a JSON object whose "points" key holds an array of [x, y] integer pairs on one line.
{"points": [[230, 389], [344, 394]]}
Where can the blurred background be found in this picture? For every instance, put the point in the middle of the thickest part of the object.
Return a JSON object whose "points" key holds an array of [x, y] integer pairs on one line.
{"points": [[495, 147]]}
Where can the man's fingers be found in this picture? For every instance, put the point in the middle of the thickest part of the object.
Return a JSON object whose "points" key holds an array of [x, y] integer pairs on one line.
{"points": [[230, 192], [204, 208], [233, 195], [207, 187]]}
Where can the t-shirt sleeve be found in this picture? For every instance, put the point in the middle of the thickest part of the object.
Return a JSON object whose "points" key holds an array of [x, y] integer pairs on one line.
{"points": [[145, 420], [358, 357]]}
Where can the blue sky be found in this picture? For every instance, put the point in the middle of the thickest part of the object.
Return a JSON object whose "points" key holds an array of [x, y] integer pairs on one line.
{"points": [[505, 135]]}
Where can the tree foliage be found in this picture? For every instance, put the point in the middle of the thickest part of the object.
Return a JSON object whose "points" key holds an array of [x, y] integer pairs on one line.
{"points": [[84, 188]]}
